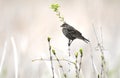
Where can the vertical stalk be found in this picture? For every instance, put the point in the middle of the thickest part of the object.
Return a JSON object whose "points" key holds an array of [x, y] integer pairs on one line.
{"points": [[3, 56], [76, 67], [51, 57], [69, 56], [80, 63], [60, 65], [15, 56], [103, 62]]}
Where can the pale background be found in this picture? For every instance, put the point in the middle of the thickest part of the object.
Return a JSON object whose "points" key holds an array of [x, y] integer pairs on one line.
{"points": [[29, 22]]}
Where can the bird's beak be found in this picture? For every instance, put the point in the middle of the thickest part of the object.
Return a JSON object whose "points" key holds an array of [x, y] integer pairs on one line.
{"points": [[61, 26]]}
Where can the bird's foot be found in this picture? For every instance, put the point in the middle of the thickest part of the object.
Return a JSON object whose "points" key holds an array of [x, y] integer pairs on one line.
{"points": [[69, 44]]}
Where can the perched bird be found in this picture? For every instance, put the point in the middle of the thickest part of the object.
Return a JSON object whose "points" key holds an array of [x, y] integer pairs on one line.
{"points": [[71, 33]]}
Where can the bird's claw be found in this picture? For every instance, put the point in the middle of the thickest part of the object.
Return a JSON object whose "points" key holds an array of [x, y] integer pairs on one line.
{"points": [[69, 44]]}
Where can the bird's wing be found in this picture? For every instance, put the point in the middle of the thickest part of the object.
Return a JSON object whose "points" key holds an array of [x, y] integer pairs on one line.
{"points": [[75, 33]]}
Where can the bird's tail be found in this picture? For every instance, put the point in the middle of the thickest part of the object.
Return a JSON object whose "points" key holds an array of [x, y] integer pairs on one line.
{"points": [[86, 40]]}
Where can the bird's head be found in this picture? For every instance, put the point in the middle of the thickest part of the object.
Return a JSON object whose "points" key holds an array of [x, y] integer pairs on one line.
{"points": [[64, 25]]}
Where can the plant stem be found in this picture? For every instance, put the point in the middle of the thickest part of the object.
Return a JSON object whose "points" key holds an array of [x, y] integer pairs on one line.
{"points": [[51, 59], [69, 55], [80, 63], [41, 59], [60, 65], [100, 46], [76, 67]]}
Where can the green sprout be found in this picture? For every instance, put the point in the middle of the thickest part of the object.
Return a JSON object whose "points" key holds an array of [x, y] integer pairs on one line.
{"points": [[48, 39], [98, 76], [102, 57], [76, 54], [53, 51], [65, 75], [55, 8], [81, 52]]}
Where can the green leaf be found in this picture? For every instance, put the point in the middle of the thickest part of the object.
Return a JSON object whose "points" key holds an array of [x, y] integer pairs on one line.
{"points": [[48, 39], [55, 7], [81, 52], [53, 51], [65, 75], [76, 54], [102, 57]]}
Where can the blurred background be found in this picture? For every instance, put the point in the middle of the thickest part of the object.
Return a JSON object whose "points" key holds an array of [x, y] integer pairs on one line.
{"points": [[26, 24]]}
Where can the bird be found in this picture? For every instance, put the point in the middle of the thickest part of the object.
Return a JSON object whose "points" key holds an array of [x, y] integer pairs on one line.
{"points": [[71, 33]]}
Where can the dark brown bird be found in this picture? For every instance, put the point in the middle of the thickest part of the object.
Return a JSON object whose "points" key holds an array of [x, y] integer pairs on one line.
{"points": [[71, 33]]}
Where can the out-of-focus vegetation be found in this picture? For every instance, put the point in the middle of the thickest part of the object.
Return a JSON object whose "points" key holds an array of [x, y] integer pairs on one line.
{"points": [[30, 23]]}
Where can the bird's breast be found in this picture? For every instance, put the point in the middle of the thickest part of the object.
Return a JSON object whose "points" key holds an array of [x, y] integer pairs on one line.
{"points": [[67, 33]]}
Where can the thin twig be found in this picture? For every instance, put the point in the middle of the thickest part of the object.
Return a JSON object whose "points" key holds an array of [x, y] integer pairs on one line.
{"points": [[69, 54], [76, 67], [80, 63], [55, 8], [93, 64], [41, 59], [15, 56], [3, 56], [101, 35], [100, 46], [51, 57], [60, 65], [95, 33]]}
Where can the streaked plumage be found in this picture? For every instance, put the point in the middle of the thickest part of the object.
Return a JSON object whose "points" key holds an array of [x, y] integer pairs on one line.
{"points": [[71, 33]]}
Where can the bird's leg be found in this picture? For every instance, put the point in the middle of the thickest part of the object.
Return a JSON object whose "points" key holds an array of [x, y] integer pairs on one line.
{"points": [[69, 43]]}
